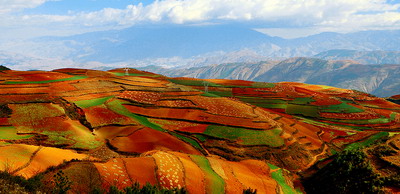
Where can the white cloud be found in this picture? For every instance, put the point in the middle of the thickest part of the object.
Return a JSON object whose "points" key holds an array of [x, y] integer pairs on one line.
{"points": [[9, 6], [288, 12], [335, 15]]}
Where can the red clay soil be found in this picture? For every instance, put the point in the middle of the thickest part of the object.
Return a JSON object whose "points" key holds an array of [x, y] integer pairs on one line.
{"points": [[114, 173], [141, 97], [25, 98], [180, 125], [350, 116], [147, 139], [142, 170], [197, 116], [41, 76], [249, 179], [170, 171], [101, 116], [231, 82], [194, 176], [109, 132], [89, 96], [4, 122], [224, 170]]}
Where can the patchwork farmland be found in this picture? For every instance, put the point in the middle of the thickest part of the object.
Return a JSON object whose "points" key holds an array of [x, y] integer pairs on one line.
{"points": [[140, 128]]}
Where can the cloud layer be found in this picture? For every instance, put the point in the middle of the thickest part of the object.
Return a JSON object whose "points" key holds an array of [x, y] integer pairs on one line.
{"points": [[324, 15]]}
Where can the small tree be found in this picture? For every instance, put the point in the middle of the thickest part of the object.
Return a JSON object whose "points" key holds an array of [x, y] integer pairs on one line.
{"points": [[61, 183]]}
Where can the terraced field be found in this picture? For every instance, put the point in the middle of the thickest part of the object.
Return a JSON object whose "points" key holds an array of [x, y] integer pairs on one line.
{"points": [[170, 132]]}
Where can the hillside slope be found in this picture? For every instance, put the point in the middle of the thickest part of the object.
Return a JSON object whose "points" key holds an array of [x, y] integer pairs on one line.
{"points": [[208, 136], [380, 80]]}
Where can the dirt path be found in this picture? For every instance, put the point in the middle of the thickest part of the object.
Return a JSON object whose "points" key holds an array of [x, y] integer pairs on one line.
{"points": [[29, 162]]}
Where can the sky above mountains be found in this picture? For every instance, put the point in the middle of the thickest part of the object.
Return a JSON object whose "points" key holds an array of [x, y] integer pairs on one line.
{"points": [[285, 18]]}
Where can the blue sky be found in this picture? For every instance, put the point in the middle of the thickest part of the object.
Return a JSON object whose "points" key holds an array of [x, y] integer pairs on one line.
{"points": [[286, 18]]}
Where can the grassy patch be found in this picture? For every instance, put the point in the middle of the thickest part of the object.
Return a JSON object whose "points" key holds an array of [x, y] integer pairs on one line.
{"points": [[302, 101], [188, 140], [210, 94], [308, 111], [92, 102], [277, 175], [245, 136], [10, 133], [215, 183], [362, 122], [47, 81], [341, 108], [116, 106], [370, 140], [262, 85]]}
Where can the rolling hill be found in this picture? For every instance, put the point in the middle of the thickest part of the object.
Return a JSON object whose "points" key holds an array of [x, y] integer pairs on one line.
{"points": [[98, 129], [380, 80]]}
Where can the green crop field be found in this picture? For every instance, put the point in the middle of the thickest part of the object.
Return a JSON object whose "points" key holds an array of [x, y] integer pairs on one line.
{"points": [[308, 111], [47, 81], [10, 133], [116, 106], [215, 183], [302, 101], [370, 140], [92, 102], [277, 175], [341, 108], [248, 137]]}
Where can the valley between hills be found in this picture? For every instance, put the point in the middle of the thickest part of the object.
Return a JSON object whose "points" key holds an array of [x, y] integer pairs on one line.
{"points": [[94, 130]]}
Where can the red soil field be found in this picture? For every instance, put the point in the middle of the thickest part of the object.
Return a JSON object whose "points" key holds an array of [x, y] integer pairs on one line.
{"points": [[180, 125], [114, 173], [170, 171], [48, 156], [249, 180], [352, 116], [142, 170], [101, 116], [147, 139], [40, 75], [24, 98], [231, 82], [141, 97], [196, 115], [109, 132], [194, 176]]}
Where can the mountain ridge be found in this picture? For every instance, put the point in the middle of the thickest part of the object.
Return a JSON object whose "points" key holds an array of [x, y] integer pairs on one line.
{"points": [[381, 80]]}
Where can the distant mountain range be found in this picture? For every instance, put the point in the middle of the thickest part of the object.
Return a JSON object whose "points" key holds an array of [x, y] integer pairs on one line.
{"points": [[380, 80], [364, 57], [190, 46]]}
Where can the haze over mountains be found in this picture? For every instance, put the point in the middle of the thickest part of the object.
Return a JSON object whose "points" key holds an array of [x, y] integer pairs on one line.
{"points": [[197, 45], [380, 80]]}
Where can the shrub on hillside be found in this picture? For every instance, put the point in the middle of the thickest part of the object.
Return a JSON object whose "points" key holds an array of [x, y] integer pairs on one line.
{"points": [[349, 172]]}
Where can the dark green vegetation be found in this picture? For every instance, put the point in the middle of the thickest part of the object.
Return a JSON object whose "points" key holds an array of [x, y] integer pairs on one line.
{"points": [[60, 184], [9, 183], [359, 170], [2, 68], [136, 189]]}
